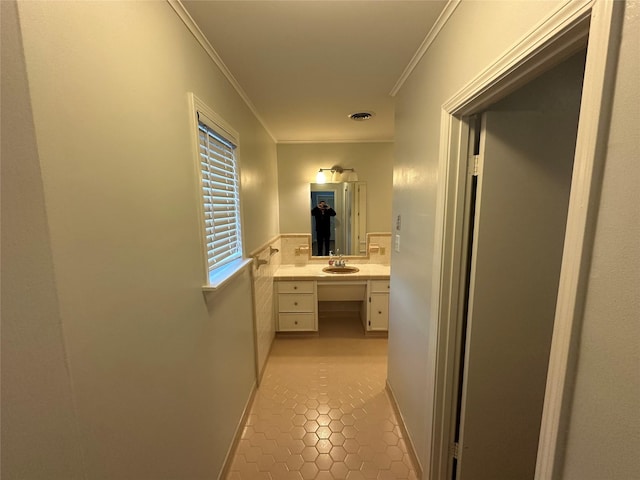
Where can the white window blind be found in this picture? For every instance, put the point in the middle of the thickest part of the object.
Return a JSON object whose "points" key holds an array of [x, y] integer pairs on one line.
{"points": [[220, 195]]}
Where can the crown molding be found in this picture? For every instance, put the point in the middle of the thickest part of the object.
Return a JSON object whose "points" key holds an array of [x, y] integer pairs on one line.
{"points": [[446, 13], [302, 142], [533, 50], [191, 25]]}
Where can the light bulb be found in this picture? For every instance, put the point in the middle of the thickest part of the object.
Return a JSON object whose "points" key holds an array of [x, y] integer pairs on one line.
{"points": [[321, 177]]}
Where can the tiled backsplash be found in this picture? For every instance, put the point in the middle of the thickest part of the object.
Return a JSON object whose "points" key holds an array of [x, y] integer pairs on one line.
{"points": [[379, 248], [296, 250]]}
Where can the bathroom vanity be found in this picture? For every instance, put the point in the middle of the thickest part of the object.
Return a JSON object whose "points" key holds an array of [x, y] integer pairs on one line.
{"points": [[298, 289]]}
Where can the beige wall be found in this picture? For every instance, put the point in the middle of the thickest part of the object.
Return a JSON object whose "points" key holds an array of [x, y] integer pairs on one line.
{"points": [[604, 429], [449, 64], [39, 423], [298, 165], [118, 246]]}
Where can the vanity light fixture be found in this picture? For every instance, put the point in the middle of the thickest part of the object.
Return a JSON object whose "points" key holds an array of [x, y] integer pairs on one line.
{"points": [[321, 177], [336, 171]]}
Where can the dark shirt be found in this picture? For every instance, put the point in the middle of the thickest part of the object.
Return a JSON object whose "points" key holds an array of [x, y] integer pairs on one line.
{"points": [[323, 218]]}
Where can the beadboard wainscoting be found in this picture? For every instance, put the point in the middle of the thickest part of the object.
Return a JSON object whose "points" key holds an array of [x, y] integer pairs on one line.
{"points": [[266, 261]]}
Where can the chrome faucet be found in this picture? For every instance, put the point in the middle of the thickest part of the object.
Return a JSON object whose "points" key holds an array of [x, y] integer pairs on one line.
{"points": [[340, 262]]}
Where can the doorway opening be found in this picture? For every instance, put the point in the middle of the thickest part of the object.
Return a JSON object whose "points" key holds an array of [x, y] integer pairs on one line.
{"points": [[329, 197], [563, 34], [518, 185]]}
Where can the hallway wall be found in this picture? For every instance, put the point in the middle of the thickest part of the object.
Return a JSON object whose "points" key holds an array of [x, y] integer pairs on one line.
{"points": [[449, 63], [35, 376], [132, 342]]}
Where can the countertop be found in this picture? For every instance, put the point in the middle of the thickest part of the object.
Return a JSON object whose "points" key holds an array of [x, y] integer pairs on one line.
{"points": [[313, 271]]}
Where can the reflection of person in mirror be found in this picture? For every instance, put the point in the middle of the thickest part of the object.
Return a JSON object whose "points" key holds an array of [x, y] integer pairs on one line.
{"points": [[323, 213]]}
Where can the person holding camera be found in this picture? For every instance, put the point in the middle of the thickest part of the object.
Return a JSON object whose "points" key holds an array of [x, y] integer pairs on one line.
{"points": [[323, 213]]}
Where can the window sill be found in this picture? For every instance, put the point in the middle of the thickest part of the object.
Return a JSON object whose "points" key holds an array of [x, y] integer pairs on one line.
{"points": [[223, 275]]}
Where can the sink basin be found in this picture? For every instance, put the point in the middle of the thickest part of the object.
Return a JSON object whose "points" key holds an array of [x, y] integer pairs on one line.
{"points": [[341, 270]]}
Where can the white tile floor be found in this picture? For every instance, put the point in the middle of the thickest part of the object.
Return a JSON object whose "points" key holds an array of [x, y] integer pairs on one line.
{"points": [[322, 411]]}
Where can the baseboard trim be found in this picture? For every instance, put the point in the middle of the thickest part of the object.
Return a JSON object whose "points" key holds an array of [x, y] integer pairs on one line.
{"points": [[266, 359], [405, 434], [376, 334], [226, 466]]}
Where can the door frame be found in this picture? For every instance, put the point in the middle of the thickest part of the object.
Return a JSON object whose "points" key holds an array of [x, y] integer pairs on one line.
{"points": [[574, 25]]}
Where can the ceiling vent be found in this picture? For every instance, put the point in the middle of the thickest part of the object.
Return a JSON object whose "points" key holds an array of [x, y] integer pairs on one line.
{"points": [[361, 116]]}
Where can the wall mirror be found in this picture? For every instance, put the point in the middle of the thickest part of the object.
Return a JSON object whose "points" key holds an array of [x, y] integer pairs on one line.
{"points": [[348, 227]]}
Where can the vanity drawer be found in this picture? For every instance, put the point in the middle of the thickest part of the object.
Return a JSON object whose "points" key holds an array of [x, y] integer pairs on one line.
{"points": [[296, 321], [295, 287], [380, 286], [294, 302]]}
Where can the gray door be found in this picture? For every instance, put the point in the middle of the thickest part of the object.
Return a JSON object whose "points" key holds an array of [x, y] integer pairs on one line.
{"points": [[524, 181]]}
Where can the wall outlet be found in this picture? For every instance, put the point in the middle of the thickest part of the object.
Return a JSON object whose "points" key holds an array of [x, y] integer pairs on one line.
{"points": [[397, 243]]}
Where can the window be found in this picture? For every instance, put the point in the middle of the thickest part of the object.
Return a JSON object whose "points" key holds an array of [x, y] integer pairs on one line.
{"points": [[220, 192]]}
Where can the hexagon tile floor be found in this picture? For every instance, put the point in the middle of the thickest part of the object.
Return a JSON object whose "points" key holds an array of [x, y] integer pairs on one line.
{"points": [[322, 411]]}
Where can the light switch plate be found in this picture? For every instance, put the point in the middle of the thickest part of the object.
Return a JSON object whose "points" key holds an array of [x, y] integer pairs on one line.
{"points": [[397, 243]]}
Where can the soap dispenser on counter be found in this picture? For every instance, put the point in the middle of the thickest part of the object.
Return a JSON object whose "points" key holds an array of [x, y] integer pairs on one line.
{"points": [[330, 258]]}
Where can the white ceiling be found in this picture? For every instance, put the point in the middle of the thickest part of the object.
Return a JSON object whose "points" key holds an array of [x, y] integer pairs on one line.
{"points": [[306, 64]]}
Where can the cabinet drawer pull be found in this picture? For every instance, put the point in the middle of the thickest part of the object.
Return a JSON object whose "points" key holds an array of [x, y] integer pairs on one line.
{"points": [[295, 287], [295, 303], [295, 322], [379, 312]]}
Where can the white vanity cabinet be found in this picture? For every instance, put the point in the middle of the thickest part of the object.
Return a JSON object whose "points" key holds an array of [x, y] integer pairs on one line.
{"points": [[378, 317], [296, 306], [299, 291]]}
